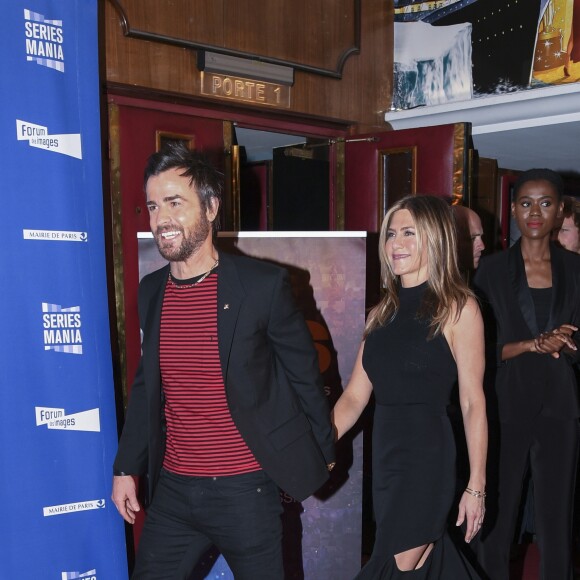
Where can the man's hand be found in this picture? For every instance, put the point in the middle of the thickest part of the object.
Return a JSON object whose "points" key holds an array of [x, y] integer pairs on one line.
{"points": [[124, 496]]}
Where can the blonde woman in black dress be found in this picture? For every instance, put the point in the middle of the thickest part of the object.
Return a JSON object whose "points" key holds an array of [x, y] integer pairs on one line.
{"points": [[424, 336]]}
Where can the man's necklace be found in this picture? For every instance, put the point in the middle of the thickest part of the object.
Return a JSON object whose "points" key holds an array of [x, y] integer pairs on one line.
{"points": [[198, 281]]}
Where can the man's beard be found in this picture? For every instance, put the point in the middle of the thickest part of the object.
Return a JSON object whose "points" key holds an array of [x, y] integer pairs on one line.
{"points": [[189, 245]]}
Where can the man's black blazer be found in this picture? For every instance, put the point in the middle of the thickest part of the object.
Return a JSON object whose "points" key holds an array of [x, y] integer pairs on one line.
{"points": [[530, 383], [271, 375]]}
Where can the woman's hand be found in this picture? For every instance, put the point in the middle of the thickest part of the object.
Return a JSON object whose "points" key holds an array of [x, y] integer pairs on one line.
{"points": [[554, 341], [472, 512], [353, 400]]}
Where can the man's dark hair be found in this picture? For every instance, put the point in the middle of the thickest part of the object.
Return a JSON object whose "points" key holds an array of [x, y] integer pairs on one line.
{"points": [[572, 209], [540, 175], [204, 177]]}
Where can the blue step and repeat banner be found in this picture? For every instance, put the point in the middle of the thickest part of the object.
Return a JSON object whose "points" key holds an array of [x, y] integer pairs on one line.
{"points": [[58, 430]]}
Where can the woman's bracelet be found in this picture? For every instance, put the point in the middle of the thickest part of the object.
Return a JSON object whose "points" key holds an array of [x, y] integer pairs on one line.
{"points": [[475, 493]]}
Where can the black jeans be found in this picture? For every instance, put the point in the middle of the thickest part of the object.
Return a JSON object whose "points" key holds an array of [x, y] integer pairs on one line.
{"points": [[239, 514]]}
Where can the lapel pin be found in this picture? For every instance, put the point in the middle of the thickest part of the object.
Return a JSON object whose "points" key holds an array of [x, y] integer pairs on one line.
{"points": [[226, 306]]}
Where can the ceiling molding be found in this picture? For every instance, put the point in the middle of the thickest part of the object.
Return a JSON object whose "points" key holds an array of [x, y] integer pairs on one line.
{"points": [[336, 73]]}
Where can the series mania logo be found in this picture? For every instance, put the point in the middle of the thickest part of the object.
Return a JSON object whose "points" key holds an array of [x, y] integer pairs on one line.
{"points": [[90, 575], [62, 328], [44, 39]]}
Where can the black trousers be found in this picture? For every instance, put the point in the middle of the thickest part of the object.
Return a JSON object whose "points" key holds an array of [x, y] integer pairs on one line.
{"points": [[551, 445], [238, 514]]}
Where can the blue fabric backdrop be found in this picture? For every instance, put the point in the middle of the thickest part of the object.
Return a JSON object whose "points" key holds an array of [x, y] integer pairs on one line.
{"points": [[58, 429]]}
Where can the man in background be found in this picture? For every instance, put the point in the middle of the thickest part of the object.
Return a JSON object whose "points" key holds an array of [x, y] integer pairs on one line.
{"points": [[569, 231], [469, 237]]}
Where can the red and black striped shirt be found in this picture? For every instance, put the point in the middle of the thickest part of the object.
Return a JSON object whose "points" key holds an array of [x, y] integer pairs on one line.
{"points": [[202, 439]]}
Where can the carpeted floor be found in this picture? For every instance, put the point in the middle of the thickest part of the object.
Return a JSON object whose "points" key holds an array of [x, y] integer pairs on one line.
{"points": [[525, 563]]}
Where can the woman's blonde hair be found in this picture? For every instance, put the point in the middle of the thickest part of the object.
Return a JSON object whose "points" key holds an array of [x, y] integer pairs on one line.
{"points": [[447, 292]]}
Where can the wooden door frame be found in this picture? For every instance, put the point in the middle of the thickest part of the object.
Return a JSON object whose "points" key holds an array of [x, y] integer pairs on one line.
{"points": [[121, 96], [251, 118]]}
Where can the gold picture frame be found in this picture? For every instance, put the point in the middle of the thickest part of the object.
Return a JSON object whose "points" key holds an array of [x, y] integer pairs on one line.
{"points": [[162, 137], [397, 176]]}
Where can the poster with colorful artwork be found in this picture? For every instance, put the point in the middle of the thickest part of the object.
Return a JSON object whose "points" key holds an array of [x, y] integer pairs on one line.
{"points": [[322, 535], [557, 49], [456, 50]]}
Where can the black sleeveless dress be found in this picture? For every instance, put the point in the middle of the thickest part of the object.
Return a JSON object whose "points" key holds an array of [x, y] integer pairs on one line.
{"points": [[413, 446]]}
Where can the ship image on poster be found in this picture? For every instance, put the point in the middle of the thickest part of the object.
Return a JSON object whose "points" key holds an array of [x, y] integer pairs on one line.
{"points": [[453, 50]]}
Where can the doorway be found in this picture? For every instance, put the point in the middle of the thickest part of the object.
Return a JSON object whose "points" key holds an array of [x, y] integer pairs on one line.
{"points": [[267, 173], [284, 181]]}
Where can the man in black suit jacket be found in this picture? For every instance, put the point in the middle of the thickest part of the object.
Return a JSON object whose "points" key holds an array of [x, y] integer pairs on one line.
{"points": [[227, 403]]}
